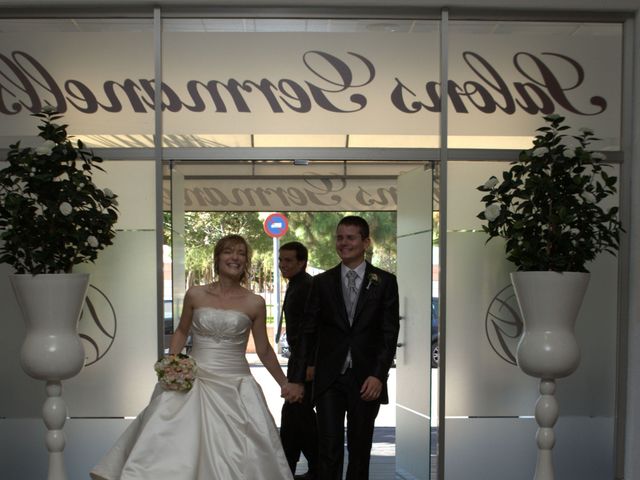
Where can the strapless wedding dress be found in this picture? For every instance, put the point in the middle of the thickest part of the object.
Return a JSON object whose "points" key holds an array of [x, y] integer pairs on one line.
{"points": [[220, 430]]}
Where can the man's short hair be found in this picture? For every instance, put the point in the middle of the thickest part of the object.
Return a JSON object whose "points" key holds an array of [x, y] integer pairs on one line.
{"points": [[355, 221], [302, 254]]}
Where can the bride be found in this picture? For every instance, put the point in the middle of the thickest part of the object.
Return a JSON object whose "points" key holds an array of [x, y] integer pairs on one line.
{"points": [[221, 429]]}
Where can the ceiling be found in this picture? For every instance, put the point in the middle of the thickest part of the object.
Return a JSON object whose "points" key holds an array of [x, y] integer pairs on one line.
{"points": [[580, 5]]}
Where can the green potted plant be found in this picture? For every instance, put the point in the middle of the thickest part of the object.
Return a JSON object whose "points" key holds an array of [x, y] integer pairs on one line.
{"points": [[52, 217], [550, 209], [548, 206]]}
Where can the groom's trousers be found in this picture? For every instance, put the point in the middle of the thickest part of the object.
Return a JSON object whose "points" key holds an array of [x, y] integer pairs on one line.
{"points": [[343, 397], [299, 432]]}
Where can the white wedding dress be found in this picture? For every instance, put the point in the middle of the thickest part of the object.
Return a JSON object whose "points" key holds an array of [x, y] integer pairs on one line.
{"points": [[220, 430]]}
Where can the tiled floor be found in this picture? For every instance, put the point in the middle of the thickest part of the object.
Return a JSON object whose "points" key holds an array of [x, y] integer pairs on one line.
{"points": [[383, 459], [383, 456]]}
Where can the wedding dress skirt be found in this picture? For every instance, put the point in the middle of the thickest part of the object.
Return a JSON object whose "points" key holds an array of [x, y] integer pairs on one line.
{"points": [[219, 430]]}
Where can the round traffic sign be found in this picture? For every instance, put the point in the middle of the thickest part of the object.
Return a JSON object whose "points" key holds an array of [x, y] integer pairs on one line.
{"points": [[276, 225]]}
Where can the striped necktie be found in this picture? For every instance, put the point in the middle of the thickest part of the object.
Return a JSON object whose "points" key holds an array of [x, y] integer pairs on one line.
{"points": [[352, 293]]}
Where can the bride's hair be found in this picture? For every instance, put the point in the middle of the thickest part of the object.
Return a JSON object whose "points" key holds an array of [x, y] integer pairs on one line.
{"points": [[231, 241]]}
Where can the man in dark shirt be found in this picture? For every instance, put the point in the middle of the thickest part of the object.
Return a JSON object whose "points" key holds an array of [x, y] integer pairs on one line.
{"points": [[298, 430]]}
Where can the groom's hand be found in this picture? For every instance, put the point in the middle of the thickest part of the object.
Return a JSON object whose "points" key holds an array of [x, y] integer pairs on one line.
{"points": [[371, 389], [293, 392]]}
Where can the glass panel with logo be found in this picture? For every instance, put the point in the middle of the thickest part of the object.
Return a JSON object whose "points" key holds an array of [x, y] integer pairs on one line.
{"points": [[97, 72], [487, 394], [300, 83], [504, 76]]}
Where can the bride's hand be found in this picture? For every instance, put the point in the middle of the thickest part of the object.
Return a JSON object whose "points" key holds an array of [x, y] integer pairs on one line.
{"points": [[292, 392]]}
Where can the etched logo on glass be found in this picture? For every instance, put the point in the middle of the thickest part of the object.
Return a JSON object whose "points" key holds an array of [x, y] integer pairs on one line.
{"points": [[503, 324], [97, 326]]}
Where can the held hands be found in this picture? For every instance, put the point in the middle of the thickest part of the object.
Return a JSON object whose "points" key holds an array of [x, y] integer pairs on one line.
{"points": [[292, 392], [371, 389]]}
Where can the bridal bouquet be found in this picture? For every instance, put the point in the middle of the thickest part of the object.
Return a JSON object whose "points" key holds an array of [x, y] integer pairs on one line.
{"points": [[176, 372]]}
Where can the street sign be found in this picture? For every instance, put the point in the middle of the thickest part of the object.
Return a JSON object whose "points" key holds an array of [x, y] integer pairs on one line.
{"points": [[276, 225]]}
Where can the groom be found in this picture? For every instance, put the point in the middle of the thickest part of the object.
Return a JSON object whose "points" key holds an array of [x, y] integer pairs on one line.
{"points": [[350, 334]]}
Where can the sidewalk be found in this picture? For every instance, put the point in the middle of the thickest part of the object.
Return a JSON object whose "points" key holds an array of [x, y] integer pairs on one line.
{"points": [[254, 361]]}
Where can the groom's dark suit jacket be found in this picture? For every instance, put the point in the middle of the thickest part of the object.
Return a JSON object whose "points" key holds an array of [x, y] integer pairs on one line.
{"points": [[328, 336]]}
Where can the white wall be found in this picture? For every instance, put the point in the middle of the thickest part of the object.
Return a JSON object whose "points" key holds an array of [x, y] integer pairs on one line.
{"points": [[632, 440]]}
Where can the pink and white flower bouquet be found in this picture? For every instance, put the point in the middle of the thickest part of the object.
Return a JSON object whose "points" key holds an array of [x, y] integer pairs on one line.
{"points": [[176, 372]]}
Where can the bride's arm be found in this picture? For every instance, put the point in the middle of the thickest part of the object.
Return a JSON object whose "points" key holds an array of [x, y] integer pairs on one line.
{"points": [[179, 337], [290, 391], [263, 346]]}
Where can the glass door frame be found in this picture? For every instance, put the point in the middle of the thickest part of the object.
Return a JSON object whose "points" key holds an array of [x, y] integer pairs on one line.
{"points": [[443, 154]]}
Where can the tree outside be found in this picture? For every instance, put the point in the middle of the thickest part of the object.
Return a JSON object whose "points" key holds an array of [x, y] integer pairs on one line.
{"points": [[316, 230]]}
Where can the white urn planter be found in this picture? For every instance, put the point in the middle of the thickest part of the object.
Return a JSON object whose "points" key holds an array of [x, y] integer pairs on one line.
{"points": [[549, 303], [52, 351]]}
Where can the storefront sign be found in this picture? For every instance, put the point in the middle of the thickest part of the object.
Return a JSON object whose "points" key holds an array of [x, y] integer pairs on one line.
{"points": [[310, 83], [321, 194]]}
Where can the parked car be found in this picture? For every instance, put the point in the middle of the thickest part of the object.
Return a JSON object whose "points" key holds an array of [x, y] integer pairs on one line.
{"points": [[168, 317], [435, 316], [169, 328], [284, 346]]}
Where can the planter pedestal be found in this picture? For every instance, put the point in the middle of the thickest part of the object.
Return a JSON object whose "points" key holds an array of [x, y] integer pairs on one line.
{"points": [[52, 351], [549, 303]]}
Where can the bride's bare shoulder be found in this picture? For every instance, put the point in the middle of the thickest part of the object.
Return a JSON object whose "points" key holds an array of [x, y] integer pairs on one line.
{"points": [[258, 300], [255, 303], [197, 291]]}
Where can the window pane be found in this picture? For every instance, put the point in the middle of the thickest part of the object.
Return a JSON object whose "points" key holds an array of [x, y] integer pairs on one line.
{"points": [[505, 75]]}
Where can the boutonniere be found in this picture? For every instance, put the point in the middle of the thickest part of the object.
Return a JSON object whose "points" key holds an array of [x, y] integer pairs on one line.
{"points": [[372, 280]]}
